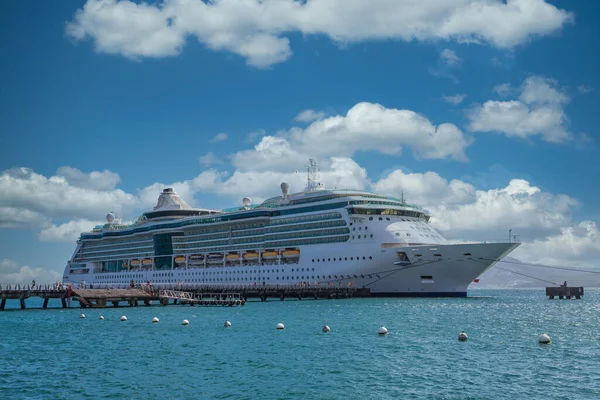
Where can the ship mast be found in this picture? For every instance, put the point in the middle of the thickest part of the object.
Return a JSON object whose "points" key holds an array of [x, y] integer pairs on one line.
{"points": [[312, 176]]}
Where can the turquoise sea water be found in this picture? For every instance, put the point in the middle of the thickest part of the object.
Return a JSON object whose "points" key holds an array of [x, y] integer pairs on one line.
{"points": [[53, 354]]}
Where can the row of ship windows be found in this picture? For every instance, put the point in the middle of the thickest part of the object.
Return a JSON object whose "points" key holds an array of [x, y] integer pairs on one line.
{"points": [[424, 235], [320, 240], [317, 217], [340, 259], [117, 250], [250, 279], [120, 244], [316, 231], [363, 236]]}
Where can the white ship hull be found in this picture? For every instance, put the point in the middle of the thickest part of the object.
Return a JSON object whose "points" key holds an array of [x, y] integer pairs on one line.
{"points": [[429, 275]]}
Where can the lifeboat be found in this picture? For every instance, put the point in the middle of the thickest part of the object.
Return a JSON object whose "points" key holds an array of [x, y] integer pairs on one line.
{"points": [[135, 263], [269, 254], [196, 259], [147, 261], [180, 259], [251, 255], [214, 258], [233, 257], [291, 253]]}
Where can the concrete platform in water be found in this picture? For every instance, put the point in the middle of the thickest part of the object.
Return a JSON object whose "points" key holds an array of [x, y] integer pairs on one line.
{"points": [[564, 292]]}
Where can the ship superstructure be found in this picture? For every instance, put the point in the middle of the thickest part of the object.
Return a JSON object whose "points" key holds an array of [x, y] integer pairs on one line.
{"points": [[316, 237]]}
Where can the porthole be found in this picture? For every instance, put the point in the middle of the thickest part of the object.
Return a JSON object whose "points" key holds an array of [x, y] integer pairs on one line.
{"points": [[370, 218], [397, 233], [380, 218], [371, 235]]}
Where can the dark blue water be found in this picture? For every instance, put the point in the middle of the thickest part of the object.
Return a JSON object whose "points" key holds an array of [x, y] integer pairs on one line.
{"points": [[53, 354]]}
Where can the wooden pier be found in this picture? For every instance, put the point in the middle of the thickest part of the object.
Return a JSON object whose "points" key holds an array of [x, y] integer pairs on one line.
{"points": [[23, 292], [195, 295], [564, 292]]}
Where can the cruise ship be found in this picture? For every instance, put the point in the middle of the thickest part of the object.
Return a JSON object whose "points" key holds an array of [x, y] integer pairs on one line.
{"points": [[315, 237]]}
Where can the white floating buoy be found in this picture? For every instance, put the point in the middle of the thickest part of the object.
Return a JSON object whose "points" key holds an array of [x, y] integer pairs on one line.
{"points": [[227, 324], [462, 336], [101, 318], [123, 318], [155, 319], [280, 326], [326, 328], [544, 338], [185, 322], [383, 330], [82, 316]]}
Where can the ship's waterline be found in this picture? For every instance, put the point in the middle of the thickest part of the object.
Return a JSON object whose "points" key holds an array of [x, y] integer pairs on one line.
{"points": [[317, 237]]}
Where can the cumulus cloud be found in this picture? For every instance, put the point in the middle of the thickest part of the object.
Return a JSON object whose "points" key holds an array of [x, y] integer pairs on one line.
{"points": [[219, 137], [11, 273], [368, 126], [456, 99], [67, 232], [55, 197], [461, 210], [309, 116], [574, 246], [32, 201], [19, 218], [209, 159], [105, 180], [256, 29], [537, 111]]}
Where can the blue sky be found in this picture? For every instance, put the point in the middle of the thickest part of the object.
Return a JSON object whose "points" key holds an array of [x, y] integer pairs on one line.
{"points": [[141, 95]]}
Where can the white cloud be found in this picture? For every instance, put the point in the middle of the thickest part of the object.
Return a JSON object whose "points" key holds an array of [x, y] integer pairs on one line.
{"points": [[219, 137], [309, 116], [460, 210], [19, 218], [105, 180], [575, 246], [209, 159], [456, 99], [538, 111], [504, 89], [255, 29], [368, 126], [12, 273], [67, 232], [27, 197], [584, 89], [450, 58]]}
